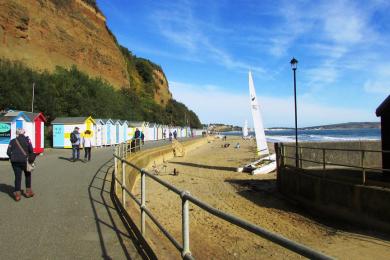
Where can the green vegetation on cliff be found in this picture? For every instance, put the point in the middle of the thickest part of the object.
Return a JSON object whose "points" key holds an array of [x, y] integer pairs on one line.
{"points": [[70, 92]]}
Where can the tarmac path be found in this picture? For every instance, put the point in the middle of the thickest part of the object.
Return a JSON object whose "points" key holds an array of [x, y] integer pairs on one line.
{"points": [[71, 215]]}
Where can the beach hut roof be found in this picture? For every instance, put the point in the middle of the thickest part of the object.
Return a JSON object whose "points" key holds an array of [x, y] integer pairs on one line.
{"points": [[12, 116], [117, 121], [124, 122], [30, 115], [100, 121], [152, 125], [71, 120], [107, 120], [383, 107]]}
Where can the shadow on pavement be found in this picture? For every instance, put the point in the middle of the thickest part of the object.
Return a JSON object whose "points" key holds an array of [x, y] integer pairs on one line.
{"points": [[101, 184], [7, 189]]}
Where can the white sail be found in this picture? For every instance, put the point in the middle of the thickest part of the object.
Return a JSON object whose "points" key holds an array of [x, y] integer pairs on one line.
{"points": [[262, 147], [245, 129]]}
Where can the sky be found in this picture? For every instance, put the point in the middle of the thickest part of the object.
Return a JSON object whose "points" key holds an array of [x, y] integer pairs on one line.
{"points": [[206, 49]]}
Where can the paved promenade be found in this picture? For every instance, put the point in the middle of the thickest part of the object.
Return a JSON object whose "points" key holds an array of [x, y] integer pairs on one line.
{"points": [[71, 216]]}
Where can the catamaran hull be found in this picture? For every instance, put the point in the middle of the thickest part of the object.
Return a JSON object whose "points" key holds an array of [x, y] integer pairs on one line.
{"points": [[268, 164]]}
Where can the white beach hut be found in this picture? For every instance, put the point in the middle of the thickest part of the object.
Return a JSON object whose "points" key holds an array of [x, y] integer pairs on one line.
{"points": [[8, 125], [108, 127], [152, 132], [99, 133], [125, 127]]}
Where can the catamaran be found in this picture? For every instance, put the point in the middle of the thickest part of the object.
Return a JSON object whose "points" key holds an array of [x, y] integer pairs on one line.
{"points": [[267, 162], [245, 131]]}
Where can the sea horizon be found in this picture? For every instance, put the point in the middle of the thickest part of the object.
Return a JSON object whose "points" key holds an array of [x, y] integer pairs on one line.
{"points": [[318, 135]]}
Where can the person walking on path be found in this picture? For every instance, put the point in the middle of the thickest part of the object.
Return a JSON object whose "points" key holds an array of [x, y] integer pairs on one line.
{"points": [[19, 151], [75, 140], [137, 137], [170, 136], [87, 144], [175, 134]]}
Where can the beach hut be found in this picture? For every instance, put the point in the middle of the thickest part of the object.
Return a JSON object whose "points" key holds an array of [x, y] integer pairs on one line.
{"points": [[118, 132], [9, 122], [152, 132], [125, 126], [142, 126], [383, 111], [34, 128], [64, 126], [108, 126], [38, 121], [99, 133]]}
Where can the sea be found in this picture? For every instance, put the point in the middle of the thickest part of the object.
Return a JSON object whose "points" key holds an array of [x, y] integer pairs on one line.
{"points": [[319, 135]]}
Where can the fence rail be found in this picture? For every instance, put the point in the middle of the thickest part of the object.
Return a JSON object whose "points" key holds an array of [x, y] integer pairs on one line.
{"points": [[324, 163], [120, 156]]}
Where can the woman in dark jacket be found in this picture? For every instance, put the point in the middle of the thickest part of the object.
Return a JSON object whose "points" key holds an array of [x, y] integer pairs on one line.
{"points": [[18, 151]]}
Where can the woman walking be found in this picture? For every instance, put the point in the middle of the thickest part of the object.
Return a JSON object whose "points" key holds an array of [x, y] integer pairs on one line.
{"points": [[19, 151], [87, 144]]}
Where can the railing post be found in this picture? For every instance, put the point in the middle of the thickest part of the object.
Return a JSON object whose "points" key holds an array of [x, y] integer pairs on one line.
{"points": [[123, 184], [323, 163], [115, 171], [143, 201], [185, 225], [362, 165]]}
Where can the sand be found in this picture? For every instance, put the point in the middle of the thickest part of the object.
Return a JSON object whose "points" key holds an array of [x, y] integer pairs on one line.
{"points": [[209, 174]]}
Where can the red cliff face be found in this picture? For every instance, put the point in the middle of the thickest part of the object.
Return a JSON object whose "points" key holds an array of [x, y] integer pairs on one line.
{"points": [[44, 35]]}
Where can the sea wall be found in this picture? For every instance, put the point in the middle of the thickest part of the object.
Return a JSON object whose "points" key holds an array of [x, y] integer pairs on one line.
{"points": [[145, 159], [367, 206], [352, 158]]}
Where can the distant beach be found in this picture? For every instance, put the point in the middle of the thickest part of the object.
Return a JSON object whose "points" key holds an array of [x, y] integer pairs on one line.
{"points": [[328, 135]]}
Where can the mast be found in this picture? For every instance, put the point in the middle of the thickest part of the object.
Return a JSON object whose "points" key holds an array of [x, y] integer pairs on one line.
{"points": [[261, 142]]}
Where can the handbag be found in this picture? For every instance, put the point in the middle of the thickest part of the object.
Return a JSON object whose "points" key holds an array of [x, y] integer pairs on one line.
{"points": [[29, 166]]}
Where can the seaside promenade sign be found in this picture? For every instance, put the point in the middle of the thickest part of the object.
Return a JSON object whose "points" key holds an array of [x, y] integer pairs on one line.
{"points": [[5, 133]]}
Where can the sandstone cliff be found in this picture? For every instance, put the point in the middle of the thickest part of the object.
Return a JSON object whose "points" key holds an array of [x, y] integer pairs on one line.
{"points": [[44, 34]]}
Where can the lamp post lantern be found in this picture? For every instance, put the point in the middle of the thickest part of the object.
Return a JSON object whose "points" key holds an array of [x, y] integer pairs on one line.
{"points": [[294, 64]]}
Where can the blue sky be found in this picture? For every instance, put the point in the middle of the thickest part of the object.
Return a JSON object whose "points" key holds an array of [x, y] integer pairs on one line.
{"points": [[207, 47]]}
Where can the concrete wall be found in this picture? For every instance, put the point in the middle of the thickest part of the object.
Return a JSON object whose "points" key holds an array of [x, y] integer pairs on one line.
{"points": [[352, 158], [144, 159], [363, 205]]}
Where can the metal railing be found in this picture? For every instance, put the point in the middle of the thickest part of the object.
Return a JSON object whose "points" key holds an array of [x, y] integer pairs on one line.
{"points": [[324, 163], [186, 197]]}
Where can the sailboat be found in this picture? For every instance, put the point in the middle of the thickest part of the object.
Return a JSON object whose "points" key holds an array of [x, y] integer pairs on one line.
{"points": [[267, 163], [245, 131]]}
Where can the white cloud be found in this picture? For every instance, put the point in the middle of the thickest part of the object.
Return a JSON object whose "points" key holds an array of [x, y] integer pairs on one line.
{"points": [[377, 87], [214, 105]]}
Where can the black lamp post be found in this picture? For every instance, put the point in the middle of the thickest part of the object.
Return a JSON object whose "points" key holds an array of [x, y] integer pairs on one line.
{"points": [[294, 64]]}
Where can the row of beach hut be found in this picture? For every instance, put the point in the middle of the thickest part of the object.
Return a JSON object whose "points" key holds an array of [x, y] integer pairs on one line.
{"points": [[111, 131], [104, 132]]}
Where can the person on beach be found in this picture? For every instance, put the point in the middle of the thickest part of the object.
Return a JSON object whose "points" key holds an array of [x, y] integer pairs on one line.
{"points": [[75, 140], [165, 134], [170, 136], [175, 134], [87, 145], [19, 151]]}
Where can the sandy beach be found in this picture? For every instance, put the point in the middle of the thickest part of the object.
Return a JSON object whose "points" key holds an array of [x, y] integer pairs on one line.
{"points": [[208, 173]]}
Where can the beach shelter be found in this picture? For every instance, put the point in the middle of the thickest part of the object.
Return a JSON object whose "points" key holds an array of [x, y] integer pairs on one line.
{"points": [[64, 126], [125, 127], [140, 125], [108, 123], [37, 137], [9, 122], [118, 133], [34, 128], [100, 133], [152, 132]]}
